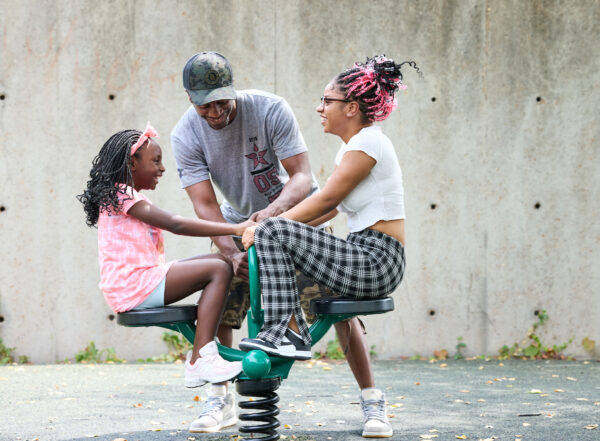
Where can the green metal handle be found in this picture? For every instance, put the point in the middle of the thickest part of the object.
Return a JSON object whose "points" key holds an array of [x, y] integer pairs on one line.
{"points": [[256, 313]]}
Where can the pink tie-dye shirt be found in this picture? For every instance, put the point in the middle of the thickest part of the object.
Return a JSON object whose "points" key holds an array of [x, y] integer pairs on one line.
{"points": [[132, 257]]}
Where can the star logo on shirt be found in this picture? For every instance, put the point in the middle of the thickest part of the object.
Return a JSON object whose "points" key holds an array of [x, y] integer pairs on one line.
{"points": [[257, 156]]}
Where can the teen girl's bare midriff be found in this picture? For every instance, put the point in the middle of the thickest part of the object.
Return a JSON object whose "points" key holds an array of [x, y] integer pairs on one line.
{"points": [[394, 228]]}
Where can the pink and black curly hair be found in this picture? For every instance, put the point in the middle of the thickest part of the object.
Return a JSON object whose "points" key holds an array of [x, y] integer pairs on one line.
{"points": [[372, 85]]}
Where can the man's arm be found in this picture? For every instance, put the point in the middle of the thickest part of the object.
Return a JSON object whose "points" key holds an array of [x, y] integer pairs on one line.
{"points": [[294, 191], [206, 207]]}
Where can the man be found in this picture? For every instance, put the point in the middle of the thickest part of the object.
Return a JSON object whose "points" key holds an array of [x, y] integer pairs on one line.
{"points": [[249, 144]]}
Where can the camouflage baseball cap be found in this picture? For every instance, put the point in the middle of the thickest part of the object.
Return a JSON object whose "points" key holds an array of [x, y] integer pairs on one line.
{"points": [[207, 77]]}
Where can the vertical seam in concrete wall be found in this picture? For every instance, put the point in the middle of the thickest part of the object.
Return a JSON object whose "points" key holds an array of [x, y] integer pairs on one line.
{"points": [[486, 323], [275, 46]]}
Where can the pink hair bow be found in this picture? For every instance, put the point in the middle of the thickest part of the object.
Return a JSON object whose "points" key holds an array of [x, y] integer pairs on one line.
{"points": [[148, 133]]}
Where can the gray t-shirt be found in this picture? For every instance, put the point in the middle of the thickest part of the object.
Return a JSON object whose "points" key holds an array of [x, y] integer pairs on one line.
{"points": [[243, 158]]}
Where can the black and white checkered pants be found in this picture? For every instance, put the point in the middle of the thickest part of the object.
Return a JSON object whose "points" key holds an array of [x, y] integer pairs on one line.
{"points": [[367, 264]]}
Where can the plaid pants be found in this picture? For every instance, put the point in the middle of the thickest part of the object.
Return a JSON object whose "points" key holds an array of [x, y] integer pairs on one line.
{"points": [[367, 264]]}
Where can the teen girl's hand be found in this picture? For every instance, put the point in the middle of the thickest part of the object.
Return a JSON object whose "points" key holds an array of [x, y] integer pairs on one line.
{"points": [[248, 237], [241, 227]]}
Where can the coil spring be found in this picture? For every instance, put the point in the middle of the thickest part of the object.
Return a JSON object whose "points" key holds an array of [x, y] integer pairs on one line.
{"points": [[268, 416]]}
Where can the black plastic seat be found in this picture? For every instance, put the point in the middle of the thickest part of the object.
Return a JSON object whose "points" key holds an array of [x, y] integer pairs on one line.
{"points": [[158, 316], [351, 305]]}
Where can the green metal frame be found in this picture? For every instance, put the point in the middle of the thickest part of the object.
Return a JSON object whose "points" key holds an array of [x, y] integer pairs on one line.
{"points": [[280, 367]]}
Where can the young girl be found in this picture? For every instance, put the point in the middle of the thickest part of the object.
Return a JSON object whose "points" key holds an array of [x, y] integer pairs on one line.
{"points": [[367, 185], [133, 272]]}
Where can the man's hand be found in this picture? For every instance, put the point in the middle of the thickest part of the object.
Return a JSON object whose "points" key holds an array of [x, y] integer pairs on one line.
{"points": [[239, 262], [248, 237], [271, 211]]}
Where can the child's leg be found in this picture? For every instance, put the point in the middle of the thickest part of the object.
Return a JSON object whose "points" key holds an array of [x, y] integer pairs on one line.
{"points": [[210, 274]]}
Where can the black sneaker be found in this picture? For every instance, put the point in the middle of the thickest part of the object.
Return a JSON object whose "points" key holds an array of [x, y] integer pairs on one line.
{"points": [[291, 346]]}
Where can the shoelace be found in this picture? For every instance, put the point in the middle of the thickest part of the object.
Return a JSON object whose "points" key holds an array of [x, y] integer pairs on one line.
{"points": [[213, 404], [374, 409]]}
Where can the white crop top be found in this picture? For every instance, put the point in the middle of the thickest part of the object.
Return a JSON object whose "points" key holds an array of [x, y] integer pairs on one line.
{"points": [[380, 196]]}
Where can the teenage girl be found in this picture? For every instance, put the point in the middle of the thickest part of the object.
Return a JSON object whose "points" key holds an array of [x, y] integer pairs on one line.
{"points": [[133, 271], [366, 184]]}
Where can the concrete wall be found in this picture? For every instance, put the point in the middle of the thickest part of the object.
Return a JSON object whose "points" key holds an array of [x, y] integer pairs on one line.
{"points": [[499, 145]]}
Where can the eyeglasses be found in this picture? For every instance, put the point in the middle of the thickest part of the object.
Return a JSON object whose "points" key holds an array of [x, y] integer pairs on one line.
{"points": [[327, 100]]}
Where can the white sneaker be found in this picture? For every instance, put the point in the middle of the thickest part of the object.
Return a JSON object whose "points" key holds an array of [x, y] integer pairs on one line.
{"points": [[210, 367], [218, 412], [375, 421]]}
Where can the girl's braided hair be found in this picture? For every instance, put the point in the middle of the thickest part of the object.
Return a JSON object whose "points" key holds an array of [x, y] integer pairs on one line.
{"points": [[109, 168], [372, 85]]}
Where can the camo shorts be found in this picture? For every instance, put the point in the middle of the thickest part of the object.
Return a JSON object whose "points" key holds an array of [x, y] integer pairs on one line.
{"points": [[238, 301]]}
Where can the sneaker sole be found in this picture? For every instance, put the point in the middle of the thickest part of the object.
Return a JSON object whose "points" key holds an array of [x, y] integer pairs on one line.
{"points": [[197, 382], [194, 383], [377, 435], [230, 422], [296, 355]]}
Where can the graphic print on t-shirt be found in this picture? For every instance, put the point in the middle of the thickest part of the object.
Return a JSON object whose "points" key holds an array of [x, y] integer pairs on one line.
{"points": [[264, 174]]}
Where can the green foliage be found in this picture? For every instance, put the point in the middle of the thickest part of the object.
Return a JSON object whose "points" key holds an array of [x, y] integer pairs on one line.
{"points": [[459, 348], [6, 355], [372, 352], [91, 354], [534, 348], [177, 346], [333, 352], [588, 344]]}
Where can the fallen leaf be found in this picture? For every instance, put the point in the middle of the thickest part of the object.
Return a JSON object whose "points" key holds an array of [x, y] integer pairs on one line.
{"points": [[417, 383], [582, 399], [558, 390], [571, 379], [428, 436], [320, 424], [591, 426], [326, 368], [287, 426], [196, 398], [534, 391], [138, 405], [461, 436], [443, 365]]}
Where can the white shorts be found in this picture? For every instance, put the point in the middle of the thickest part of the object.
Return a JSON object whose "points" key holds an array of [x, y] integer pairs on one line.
{"points": [[156, 297]]}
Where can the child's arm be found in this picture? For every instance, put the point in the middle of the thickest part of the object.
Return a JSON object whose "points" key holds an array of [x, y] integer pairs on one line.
{"points": [[184, 226]]}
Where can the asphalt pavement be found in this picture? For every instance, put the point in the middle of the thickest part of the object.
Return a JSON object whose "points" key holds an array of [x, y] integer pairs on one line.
{"points": [[445, 400]]}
